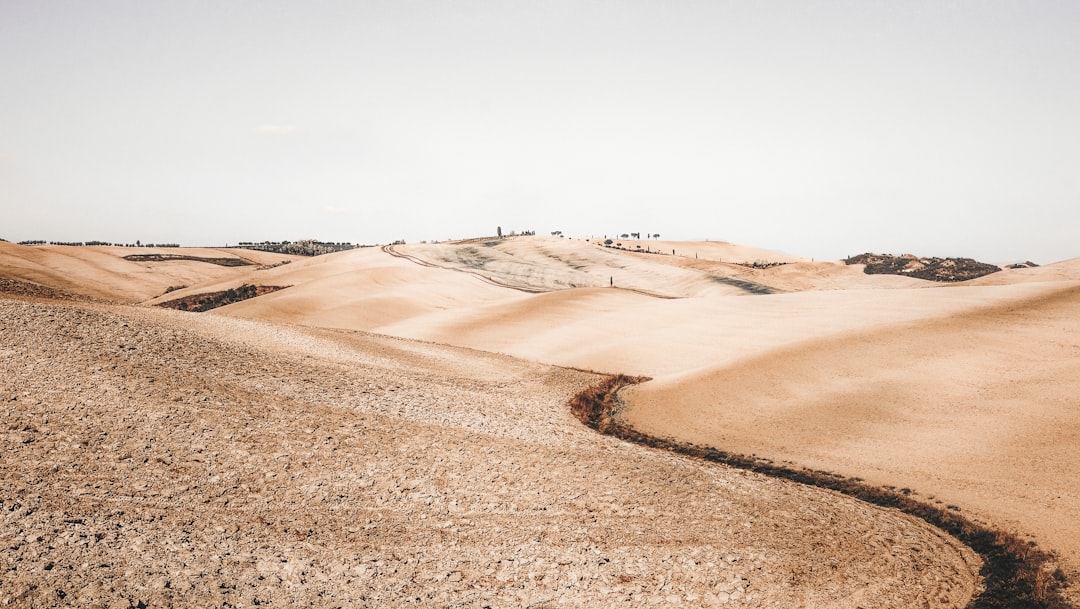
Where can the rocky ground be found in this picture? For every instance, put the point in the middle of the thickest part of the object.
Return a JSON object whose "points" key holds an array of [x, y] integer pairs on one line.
{"points": [[154, 458]]}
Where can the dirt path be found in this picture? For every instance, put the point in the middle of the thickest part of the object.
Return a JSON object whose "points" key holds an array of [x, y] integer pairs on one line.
{"points": [[176, 459]]}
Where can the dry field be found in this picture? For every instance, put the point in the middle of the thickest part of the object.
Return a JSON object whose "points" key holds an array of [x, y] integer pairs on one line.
{"points": [[393, 428]]}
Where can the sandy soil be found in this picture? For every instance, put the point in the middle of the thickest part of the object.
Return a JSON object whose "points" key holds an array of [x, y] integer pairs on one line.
{"points": [[977, 409], [964, 393], [176, 459]]}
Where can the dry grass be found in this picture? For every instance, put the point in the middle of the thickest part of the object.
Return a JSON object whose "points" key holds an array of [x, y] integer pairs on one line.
{"points": [[1016, 573]]}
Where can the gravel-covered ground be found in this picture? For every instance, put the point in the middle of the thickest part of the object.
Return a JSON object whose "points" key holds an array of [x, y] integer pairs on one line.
{"points": [[164, 459]]}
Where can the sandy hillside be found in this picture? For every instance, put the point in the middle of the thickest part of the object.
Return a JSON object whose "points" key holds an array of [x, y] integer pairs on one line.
{"points": [[962, 392], [363, 289], [689, 345], [161, 458], [103, 272], [665, 269], [1066, 270], [977, 408], [718, 251]]}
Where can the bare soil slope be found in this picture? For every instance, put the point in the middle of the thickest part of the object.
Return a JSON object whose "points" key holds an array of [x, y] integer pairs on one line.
{"points": [[159, 458], [361, 289], [103, 273], [964, 392], [543, 264], [977, 408]]}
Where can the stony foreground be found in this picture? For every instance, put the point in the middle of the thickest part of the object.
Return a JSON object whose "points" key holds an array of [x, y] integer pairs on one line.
{"points": [[155, 458]]}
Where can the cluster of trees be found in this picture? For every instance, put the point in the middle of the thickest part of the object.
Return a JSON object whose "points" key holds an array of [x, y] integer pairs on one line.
{"points": [[304, 247], [637, 247], [931, 269], [526, 233], [638, 236], [68, 243], [760, 264], [93, 243]]}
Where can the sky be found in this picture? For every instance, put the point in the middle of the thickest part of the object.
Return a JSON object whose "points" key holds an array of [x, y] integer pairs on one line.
{"points": [[817, 128]]}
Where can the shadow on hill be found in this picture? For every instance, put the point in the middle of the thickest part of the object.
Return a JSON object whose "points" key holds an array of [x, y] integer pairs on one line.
{"points": [[747, 286]]}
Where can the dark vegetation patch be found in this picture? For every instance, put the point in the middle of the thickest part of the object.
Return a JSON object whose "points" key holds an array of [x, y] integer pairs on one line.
{"points": [[761, 264], [304, 247], [746, 286], [473, 258], [96, 243], [931, 269], [33, 290], [171, 257], [211, 300], [1016, 573]]}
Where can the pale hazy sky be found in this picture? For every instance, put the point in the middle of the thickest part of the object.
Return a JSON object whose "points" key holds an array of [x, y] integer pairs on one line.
{"points": [[817, 128]]}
